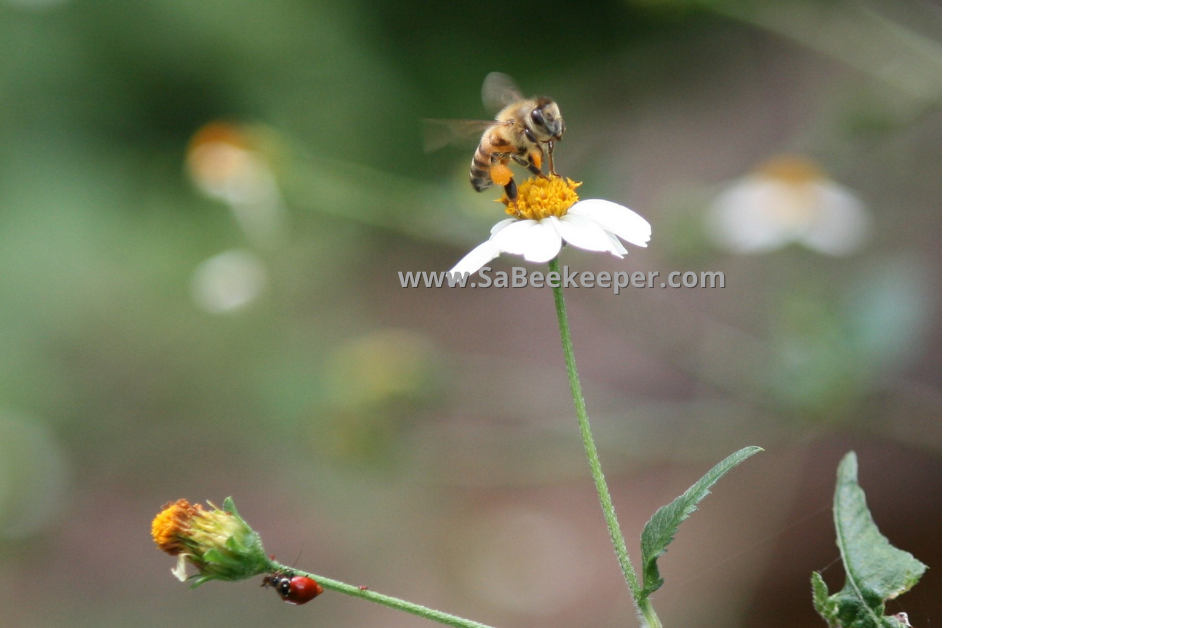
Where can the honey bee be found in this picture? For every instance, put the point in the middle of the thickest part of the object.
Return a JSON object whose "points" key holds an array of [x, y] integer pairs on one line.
{"points": [[523, 132]]}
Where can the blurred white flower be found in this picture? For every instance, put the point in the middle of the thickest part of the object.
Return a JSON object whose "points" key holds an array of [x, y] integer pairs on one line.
{"points": [[788, 200], [228, 281], [224, 165], [547, 212]]}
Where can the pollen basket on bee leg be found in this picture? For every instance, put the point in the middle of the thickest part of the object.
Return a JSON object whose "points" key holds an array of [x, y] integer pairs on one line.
{"points": [[501, 174]]}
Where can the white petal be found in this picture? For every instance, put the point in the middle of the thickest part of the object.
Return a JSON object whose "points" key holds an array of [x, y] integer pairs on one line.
{"points": [[618, 249], [842, 225], [502, 224], [582, 232], [543, 243], [513, 237], [180, 569], [615, 218], [757, 216], [478, 256]]}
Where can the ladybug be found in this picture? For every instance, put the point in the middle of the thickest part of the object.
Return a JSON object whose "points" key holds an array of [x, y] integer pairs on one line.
{"points": [[292, 588]]}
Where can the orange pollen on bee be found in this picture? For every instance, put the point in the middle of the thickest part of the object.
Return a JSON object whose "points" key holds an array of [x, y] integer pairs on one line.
{"points": [[172, 523], [540, 197]]}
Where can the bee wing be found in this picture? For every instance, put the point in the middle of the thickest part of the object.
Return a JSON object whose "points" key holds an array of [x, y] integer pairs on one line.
{"points": [[442, 133], [499, 91]]}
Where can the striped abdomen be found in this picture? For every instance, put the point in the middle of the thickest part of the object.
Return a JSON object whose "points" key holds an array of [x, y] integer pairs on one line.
{"points": [[481, 166], [488, 166]]}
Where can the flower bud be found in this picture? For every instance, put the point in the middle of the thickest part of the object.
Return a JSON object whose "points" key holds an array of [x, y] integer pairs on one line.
{"points": [[217, 542]]}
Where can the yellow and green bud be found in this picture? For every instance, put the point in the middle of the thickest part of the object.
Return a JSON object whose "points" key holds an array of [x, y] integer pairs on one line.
{"points": [[217, 542]]}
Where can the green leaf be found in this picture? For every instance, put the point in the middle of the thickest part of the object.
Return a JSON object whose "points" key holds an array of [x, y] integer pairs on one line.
{"points": [[660, 530], [821, 597], [875, 570]]}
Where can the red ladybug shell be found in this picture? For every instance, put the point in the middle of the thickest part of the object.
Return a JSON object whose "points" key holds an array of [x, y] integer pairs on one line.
{"points": [[302, 590], [293, 589]]}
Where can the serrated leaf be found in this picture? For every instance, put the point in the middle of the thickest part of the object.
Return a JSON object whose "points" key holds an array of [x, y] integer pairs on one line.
{"points": [[821, 597], [875, 570], [660, 529]]}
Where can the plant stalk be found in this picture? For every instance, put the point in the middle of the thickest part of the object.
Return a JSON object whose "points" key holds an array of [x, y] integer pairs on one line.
{"points": [[650, 619], [386, 600], [589, 445]]}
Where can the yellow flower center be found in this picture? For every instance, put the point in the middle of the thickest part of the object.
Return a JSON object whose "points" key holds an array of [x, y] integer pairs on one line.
{"points": [[791, 169], [540, 197], [173, 523]]}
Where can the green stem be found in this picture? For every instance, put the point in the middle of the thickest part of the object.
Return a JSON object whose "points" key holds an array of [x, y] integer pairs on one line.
{"points": [[648, 614], [386, 600], [610, 513]]}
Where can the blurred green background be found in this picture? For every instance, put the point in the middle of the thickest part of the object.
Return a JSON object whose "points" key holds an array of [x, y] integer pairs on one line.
{"points": [[203, 208]]}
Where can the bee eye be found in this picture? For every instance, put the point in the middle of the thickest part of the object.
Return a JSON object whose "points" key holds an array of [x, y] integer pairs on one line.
{"points": [[537, 117]]}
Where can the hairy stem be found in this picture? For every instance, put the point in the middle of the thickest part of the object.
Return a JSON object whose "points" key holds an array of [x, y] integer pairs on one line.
{"points": [[589, 444], [386, 600]]}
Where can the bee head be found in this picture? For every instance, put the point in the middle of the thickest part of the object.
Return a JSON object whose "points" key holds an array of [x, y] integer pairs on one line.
{"points": [[546, 121]]}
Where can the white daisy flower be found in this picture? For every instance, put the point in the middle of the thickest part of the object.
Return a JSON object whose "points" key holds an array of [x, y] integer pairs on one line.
{"points": [[789, 200], [548, 212]]}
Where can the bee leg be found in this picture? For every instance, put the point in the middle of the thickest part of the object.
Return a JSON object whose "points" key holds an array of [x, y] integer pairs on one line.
{"points": [[510, 189], [550, 158], [533, 163]]}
